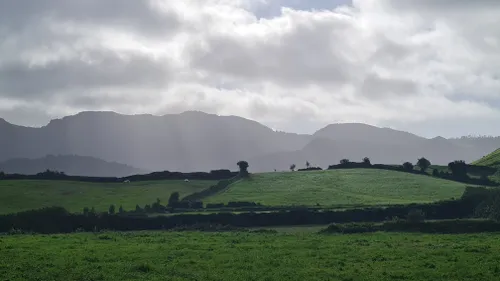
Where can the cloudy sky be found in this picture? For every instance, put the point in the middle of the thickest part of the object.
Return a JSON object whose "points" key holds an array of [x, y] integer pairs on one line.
{"points": [[431, 67]]}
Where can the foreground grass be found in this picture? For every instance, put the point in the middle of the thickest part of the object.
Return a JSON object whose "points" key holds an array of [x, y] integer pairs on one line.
{"points": [[20, 195], [249, 256], [340, 187]]}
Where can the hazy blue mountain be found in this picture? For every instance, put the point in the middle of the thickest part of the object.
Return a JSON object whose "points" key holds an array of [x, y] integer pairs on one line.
{"points": [[196, 141], [70, 165]]}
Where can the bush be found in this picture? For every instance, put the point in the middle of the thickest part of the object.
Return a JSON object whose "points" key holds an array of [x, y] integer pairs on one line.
{"points": [[415, 215]]}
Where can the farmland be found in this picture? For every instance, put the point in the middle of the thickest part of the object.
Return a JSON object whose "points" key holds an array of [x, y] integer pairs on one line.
{"points": [[20, 195], [340, 187], [249, 256]]}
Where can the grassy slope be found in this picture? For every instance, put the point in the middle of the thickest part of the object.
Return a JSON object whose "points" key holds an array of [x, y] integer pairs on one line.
{"points": [[490, 160], [340, 187], [249, 256], [25, 195]]}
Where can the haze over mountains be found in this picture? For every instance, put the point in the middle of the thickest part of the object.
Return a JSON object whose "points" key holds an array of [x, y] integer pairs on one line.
{"points": [[196, 141]]}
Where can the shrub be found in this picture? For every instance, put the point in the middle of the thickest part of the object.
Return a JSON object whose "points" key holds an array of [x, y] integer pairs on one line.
{"points": [[415, 215]]}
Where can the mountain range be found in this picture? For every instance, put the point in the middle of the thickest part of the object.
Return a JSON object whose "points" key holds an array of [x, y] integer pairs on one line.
{"points": [[197, 141]]}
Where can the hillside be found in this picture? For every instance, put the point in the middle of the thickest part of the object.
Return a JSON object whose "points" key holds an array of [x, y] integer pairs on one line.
{"points": [[69, 164], [490, 160], [196, 141], [339, 187], [21, 195]]}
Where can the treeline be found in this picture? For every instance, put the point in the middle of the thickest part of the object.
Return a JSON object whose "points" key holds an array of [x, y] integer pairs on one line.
{"points": [[165, 175], [476, 202], [459, 170]]}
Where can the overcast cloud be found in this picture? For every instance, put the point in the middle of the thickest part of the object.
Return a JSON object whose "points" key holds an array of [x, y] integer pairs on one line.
{"points": [[428, 66]]}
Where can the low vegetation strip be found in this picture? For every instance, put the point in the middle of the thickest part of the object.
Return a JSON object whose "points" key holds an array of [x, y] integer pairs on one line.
{"points": [[249, 256], [444, 227], [339, 187], [221, 186]]}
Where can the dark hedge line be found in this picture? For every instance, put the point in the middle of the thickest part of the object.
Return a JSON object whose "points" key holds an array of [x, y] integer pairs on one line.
{"points": [[165, 175], [58, 220]]}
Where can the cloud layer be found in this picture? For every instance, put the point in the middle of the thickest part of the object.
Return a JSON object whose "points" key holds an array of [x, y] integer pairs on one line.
{"points": [[407, 64]]}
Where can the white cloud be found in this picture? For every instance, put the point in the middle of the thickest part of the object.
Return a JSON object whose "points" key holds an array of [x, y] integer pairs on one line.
{"points": [[397, 62]]}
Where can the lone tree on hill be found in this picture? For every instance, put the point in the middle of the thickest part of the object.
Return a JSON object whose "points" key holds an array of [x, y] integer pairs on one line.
{"points": [[408, 166], [292, 167], [367, 161], [243, 165], [423, 164], [308, 164]]}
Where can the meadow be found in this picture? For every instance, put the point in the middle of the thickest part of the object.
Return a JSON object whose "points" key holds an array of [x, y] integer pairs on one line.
{"points": [[339, 187], [249, 256], [20, 195]]}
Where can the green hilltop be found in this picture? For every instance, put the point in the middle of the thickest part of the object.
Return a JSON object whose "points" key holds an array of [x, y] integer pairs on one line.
{"points": [[346, 187], [490, 160]]}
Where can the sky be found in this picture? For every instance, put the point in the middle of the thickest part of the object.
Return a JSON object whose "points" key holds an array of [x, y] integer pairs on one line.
{"points": [[431, 67]]}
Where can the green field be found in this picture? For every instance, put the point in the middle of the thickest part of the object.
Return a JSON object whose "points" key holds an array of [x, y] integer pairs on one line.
{"points": [[22, 195], [340, 187], [490, 160], [249, 256]]}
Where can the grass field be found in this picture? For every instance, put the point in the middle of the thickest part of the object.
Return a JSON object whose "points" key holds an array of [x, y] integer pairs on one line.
{"points": [[340, 187], [26, 194], [490, 160], [249, 256]]}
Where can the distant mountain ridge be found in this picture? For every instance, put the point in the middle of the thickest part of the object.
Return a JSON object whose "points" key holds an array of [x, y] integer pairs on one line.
{"points": [[69, 164], [197, 141]]}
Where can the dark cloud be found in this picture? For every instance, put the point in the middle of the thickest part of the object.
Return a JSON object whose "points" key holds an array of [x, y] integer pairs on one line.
{"points": [[96, 69], [140, 16]]}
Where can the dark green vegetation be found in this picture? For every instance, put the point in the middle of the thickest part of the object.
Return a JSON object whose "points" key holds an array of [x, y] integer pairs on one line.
{"points": [[339, 187], [249, 256], [490, 160], [19, 195]]}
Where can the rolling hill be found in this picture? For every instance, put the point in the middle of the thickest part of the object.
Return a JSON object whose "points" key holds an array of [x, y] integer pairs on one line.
{"points": [[72, 165], [339, 187], [490, 160], [21, 195]]}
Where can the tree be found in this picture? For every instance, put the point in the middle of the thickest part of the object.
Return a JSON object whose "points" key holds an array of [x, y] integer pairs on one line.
{"points": [[138, 208], [111, 209], [174, 199], [367, 161], [407, 166], [120, 210], [344, 161], [86, 211], [243, 165], [435, 172], [423, 164], [2, 174], [92, 212], [458, 169], [292, 167], [308, 164]]}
